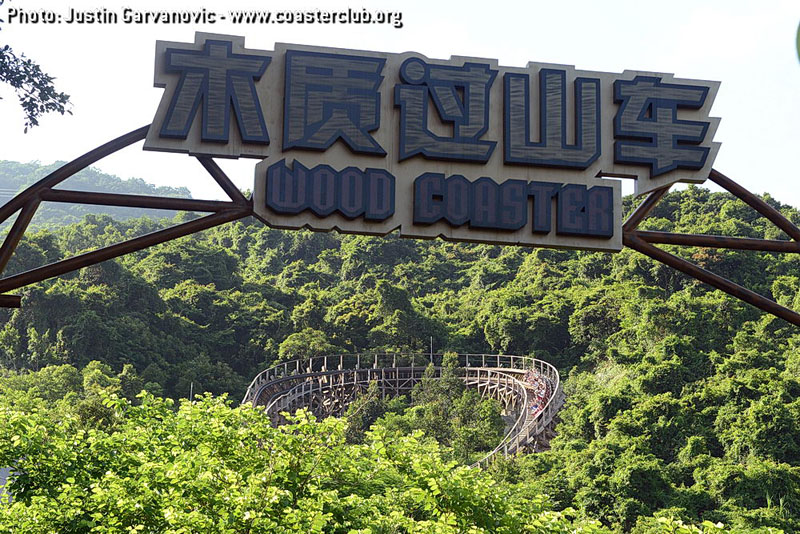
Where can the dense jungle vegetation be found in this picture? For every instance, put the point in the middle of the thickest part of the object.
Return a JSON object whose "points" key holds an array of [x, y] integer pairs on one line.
{"points": [[682, 403]]}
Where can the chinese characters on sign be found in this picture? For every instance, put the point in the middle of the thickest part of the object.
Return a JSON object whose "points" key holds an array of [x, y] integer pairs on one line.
{"points": [[465, 149], [331, 97], [222, 82]]}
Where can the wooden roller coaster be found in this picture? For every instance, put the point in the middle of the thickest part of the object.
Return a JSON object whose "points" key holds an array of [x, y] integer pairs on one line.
{"points": [[528, 389]]}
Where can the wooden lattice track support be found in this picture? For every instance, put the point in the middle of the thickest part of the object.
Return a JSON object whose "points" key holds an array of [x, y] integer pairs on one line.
{"points": [[328, 384]]}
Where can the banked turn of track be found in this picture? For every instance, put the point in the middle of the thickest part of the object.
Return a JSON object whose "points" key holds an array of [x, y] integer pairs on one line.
{"points": [[528, 389]]}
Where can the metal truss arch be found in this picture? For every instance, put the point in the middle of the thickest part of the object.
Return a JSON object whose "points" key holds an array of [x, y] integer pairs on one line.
{"points": [[29, 200], [26, 203]]}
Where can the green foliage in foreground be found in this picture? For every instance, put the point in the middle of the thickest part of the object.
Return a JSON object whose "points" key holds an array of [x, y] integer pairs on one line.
{"points": [[208, 468]]}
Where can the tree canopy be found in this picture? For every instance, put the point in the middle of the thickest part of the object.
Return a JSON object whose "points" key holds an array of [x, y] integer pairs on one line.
{"points": [[201, 466]]}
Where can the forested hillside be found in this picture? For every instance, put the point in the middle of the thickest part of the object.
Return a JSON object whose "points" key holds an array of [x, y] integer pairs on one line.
{"points": [[15, 177], [681, 401]]}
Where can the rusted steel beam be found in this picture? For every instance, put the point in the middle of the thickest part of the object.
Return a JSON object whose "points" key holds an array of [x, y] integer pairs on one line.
{"points": [[126, 247], [643, 209], [10, 301], [723, 284], [717, 241], [17, 231], [62, 173], [756, 203], [222, 179], [135, 201]]}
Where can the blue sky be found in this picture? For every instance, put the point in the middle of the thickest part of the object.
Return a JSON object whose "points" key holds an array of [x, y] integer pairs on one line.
{"points": [[748, 46]]}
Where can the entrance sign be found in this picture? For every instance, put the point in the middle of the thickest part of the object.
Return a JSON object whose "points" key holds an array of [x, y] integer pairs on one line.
{"points": [[368, 142], [371, 142]]}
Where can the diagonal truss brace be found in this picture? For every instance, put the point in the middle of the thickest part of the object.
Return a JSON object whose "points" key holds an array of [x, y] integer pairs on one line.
{"points": [[27, 202], [642, 241]]}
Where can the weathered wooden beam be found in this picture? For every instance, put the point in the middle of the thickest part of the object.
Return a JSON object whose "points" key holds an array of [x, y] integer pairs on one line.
{"points": [[62, 173], [714, 280], [222, 179], [10, 301], [107, 253], [135, 201], [718, 241], [756, 203], [17, 231], [643, 209]]}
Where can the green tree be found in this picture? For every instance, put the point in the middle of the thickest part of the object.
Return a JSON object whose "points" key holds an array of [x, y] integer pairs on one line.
{"points": [[206, 467], [35, 90], [305, 344]]}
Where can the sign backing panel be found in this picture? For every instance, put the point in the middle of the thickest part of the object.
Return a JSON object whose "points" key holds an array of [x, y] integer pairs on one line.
{"points": [[466, 149]]}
